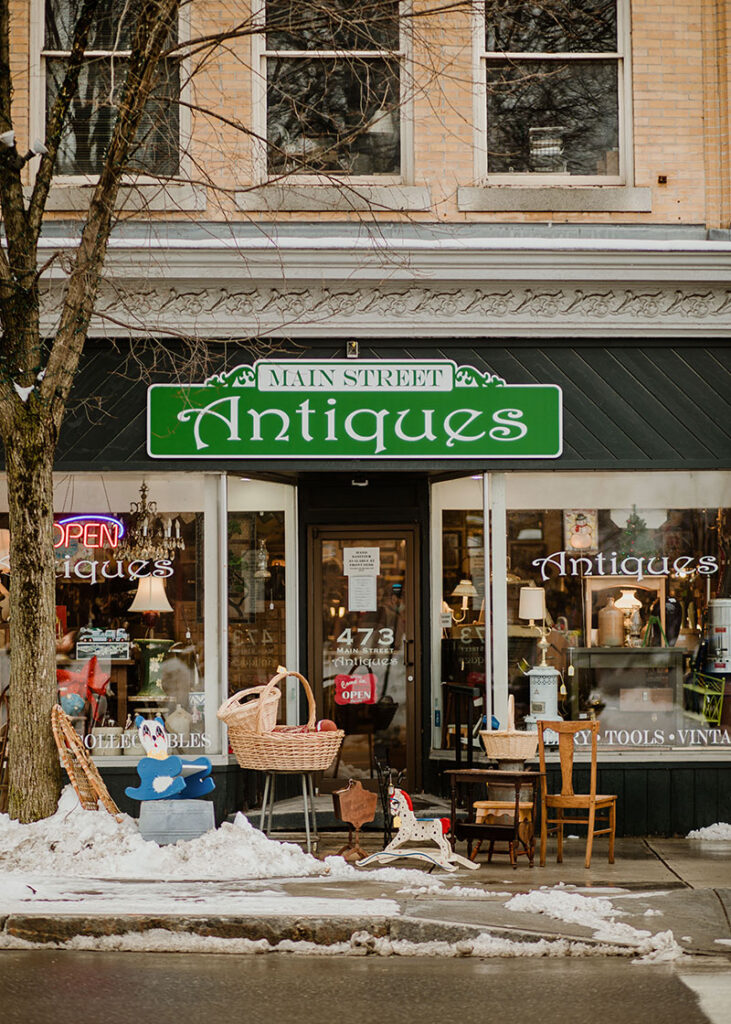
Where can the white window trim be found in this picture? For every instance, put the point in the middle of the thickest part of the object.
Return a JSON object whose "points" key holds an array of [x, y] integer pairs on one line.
{"points": [[80, 185], [623, 55], [259, 55]]}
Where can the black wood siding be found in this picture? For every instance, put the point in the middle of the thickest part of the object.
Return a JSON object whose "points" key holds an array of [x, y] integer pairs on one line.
{"points": [[633, 404]]}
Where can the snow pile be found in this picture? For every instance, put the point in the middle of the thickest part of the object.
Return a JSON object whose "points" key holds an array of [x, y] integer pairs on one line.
{"points": [[361, 943], [93, 843], [721, 830], [597, 914]]}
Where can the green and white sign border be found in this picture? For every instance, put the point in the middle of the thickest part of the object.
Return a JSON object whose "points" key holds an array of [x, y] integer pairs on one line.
{"points": [[392, 376]]}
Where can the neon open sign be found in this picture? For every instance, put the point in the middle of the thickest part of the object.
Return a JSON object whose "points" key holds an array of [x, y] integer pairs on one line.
{"points": [[89, 531]]}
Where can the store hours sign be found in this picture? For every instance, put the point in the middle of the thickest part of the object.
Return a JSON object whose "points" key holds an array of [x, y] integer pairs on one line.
{"points": [[344, 409]]}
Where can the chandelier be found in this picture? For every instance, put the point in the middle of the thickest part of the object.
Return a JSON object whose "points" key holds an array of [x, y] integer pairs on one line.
{"points": [[149, 535]]}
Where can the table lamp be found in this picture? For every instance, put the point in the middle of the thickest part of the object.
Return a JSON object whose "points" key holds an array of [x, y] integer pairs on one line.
{"points": [[150, 600]]}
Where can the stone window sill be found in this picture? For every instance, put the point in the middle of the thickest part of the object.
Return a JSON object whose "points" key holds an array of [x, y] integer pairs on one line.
{"points": [[555, 199], [337, 198], [143, 198]]}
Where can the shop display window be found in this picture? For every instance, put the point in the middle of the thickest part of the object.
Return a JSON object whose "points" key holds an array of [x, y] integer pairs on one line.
{"points": [[129, 614], [631, 597], [634, 601], [257, 631]]}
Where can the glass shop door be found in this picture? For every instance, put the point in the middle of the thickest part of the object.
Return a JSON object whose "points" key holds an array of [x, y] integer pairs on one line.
{"points": [[363, 644]]}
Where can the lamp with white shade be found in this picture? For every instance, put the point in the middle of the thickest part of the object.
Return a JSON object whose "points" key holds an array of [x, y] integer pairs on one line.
{"points": [[543, 677], [150, 600], [465, 589], [630, 604]]}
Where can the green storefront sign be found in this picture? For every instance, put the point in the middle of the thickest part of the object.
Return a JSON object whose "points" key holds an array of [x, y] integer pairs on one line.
{"points": [[345, 409]]}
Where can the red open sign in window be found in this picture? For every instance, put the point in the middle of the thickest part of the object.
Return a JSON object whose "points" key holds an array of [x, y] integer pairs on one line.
{"points": [[355, 689]]}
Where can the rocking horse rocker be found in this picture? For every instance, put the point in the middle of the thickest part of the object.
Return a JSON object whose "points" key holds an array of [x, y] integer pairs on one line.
{"points": [[417, 830]]}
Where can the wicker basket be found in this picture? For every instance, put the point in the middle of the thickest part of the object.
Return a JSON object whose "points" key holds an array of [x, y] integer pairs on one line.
{"points": [[243, 714], [285, 750], [509, 746]]}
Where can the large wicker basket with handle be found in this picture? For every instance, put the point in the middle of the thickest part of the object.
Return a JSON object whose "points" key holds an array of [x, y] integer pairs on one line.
{"points": [[285, 748], [247, 707]]}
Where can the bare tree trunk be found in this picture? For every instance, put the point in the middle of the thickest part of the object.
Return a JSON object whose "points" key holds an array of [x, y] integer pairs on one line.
{"points": [[35, 775]]}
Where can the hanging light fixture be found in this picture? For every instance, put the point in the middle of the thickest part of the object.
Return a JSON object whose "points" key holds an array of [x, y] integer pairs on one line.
{"points": [[150, 535]]}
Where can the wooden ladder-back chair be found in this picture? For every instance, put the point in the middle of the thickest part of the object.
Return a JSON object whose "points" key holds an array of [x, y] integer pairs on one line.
{"points": [[553, 805]]}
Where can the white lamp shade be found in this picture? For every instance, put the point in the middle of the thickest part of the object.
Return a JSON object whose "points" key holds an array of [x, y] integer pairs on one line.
{"points": [[532, 603], [151, 596], [465, 588], [627, 601]]}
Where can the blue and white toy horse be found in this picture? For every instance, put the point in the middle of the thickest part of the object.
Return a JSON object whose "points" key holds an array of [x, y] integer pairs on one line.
{"points": [[164, 776]]}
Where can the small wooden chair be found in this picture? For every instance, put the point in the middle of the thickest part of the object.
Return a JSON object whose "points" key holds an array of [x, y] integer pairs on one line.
{"points": [[567, 800]]}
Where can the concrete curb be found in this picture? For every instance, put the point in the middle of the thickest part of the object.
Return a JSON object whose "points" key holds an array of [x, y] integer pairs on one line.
{"points": [[323, 931]]}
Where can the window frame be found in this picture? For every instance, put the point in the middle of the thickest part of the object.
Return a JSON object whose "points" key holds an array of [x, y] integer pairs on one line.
{"points": [[481, 58], [259, 57], [38, 57]]}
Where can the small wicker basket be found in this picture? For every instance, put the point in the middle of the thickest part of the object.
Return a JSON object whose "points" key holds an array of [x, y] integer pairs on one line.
{"points": [[299, 749], [247, 706], [509, 744]]}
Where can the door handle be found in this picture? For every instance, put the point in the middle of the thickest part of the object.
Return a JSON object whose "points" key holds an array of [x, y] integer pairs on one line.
{"points": [[408, 651]]}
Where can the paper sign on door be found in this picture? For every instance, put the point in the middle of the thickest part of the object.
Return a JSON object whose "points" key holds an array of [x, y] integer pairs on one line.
{"points": [[355, 689]]}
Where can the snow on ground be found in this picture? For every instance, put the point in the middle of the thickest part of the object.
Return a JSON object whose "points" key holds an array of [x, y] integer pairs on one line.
{"points": [[94, 844], [721, 830], [597, 914]]}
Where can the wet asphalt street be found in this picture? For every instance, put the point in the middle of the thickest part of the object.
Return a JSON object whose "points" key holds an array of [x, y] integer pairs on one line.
{"points": [[40, 987]]}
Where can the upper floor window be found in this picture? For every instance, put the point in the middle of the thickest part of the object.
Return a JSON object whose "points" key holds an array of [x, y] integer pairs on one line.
{"points": [[94, 107], [553, 74], [334, 80]]}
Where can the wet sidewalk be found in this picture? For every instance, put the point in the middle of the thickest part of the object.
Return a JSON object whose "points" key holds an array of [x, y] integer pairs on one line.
{"points": [[655, 886]]}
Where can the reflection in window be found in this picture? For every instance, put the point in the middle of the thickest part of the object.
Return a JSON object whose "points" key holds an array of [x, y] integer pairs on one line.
{"points": [[462, 623], [256, 598], [335, 111], [634, 600], [93, 109], [129, 631], [552, 116]]}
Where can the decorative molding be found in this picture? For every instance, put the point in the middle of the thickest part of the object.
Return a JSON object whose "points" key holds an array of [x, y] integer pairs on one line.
{"points": [[140, 308]]}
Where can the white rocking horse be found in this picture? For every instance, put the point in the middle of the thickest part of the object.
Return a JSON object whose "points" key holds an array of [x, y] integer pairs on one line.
{"points": [[417, 830]]}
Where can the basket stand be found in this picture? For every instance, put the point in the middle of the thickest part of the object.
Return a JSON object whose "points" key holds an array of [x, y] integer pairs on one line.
{"points": [[308, 801]]}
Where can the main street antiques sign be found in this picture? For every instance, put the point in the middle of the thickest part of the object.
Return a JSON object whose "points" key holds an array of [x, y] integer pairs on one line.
{"points": [[345, 409]]}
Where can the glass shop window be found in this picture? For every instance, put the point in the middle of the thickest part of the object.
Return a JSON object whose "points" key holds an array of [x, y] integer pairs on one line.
{"points": [[462, 624], [333, 74], [553, 80], [634, 605], [129, 623], [256, 599]]}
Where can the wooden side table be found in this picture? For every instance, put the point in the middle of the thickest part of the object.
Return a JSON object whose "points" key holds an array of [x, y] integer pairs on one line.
{"points": [[509, 832]]}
